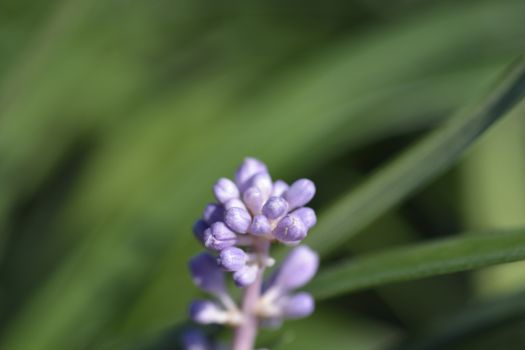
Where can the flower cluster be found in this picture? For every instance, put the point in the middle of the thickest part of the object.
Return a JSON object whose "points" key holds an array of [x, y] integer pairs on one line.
{"points": [[194, 339], [251, 213], [277, 301], [254, 208]]}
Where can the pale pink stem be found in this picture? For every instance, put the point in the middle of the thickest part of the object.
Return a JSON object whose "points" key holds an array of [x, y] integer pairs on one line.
{"points": [[246, 332]]}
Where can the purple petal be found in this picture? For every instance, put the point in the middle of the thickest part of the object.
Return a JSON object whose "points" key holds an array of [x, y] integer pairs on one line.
{"points": [[248, 168], [234, 203], [290, 229], [207, 312], [260, 225], [297, 269], [232, 259], [254, 200], [238, 219], [263, 182], [213, 213], [298, 306], [245, 276], [194, 339], [219, 236], [301, 192], [275, 208], [279, 187], [225, 189], [221, 232], [198, 230], [206, 274], [307, 216]]}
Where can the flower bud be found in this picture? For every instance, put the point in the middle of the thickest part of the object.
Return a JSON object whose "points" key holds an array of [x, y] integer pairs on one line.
{"points": [[254, 200], [225, 189], [245, 276], [207, 312], [307, 216], [263, 182], [260, 225], [297, 269], [279, 187], [298, 306], [275, 208], [219, 236], [198, 230], [247, 170], [290, 229], [232, 259], [206, 274], [213, 213], [234, 203], [194, 339], [301, 192], [238, 220]]}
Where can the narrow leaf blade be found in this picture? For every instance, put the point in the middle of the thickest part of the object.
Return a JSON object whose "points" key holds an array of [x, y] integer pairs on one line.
{"points": [[421, 163], [463, 253]]}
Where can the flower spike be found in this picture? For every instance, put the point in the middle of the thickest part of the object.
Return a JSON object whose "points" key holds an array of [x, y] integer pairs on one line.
{"points": [[251, 213]]}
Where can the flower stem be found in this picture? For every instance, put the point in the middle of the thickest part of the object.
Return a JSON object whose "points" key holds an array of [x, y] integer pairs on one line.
{"points": [[246, 332]]}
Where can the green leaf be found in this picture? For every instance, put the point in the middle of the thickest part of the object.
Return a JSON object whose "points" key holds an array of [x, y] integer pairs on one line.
{"points": [[417, 166], [470, 322], [425, 260]]}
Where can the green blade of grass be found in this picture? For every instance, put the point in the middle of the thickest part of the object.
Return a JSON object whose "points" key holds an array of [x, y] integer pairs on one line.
{"points": [[421, 163], [425, 260]]}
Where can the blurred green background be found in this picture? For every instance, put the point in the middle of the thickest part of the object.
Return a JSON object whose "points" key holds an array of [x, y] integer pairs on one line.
{"points": [[116, 117]]}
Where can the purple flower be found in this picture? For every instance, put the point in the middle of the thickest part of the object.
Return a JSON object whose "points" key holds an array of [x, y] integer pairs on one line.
{"points": [[275, 207], [245, 276], [213, 213], [232, 259], [254, 205], [238, 220], [225, 189], [263, 182], [199, 228], [194, 339], [298, 305], [301, 192], [307, 216], [206, 274], [297, 269], [247, 170], [252, 212], [279, 187], [219, 236], [207, 312], [254, 199], [260, 226], [290, 229], [234, 203]]}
